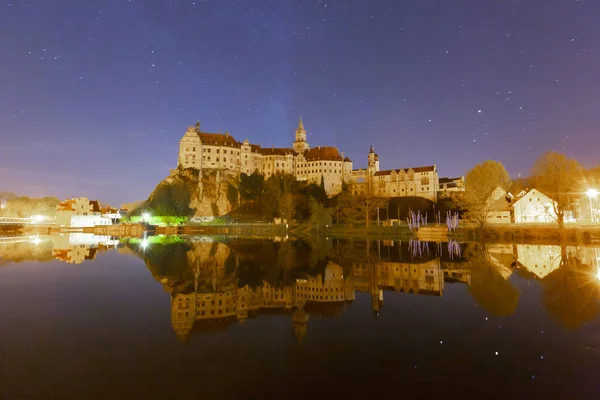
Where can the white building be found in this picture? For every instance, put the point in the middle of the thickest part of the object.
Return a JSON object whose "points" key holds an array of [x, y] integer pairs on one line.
{"points": [[218, 151], [533, 207], [402, 182], [80, 212]]}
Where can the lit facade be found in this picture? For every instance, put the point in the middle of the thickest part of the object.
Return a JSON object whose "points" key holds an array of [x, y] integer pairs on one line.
{"points": [[418, 181], [222, 152], [80, 212], [534, 207]]}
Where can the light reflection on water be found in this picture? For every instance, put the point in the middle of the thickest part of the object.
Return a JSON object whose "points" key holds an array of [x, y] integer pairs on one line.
{"points": [[240, 288]]}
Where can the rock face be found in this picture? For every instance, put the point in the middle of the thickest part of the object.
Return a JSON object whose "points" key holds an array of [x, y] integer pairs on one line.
{"points": [[216, 194], [194, 193]]}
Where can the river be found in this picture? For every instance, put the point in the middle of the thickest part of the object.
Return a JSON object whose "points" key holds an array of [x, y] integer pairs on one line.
{"points": [[85, 317]]}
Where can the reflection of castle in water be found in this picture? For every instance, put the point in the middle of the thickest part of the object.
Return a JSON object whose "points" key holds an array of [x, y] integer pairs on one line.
{"points": [[324, 294], [75, 248]]}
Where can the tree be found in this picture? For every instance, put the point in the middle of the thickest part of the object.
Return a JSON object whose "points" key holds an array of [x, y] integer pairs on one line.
{"points": [[480, 184], [251, 186], [368, 203], [346, 208], [319, 215], [287, 206], [559, 178], [26, 207]]}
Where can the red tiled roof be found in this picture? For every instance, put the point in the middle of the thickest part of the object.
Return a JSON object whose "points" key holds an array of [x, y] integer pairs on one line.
{"points": [[417, 169], [275, 151], [218, 139], [323, 153], [65, 205], [95, 205]]}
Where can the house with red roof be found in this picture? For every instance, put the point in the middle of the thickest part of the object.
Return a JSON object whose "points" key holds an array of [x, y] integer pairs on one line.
{"points": [[80, 212]]}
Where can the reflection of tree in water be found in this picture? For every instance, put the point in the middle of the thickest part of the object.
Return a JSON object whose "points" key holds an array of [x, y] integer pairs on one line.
{"points": [[571, 293], [489, 289], [169, 262], [25, 251]]}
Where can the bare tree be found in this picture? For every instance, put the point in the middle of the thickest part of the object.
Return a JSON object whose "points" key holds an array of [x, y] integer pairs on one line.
{"points": [[367, 203], [287, 206], [480, 186], [559, 178]]}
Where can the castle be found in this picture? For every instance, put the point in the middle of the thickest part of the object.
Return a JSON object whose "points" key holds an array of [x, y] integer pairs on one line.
{"points": [[222, 152]]}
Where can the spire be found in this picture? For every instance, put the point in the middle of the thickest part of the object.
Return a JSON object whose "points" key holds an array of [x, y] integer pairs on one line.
{"points": [[300, 125], [372, 149]]}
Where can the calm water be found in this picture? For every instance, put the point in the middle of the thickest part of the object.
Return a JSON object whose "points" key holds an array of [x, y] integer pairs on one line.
{"points": [[194, 317]]}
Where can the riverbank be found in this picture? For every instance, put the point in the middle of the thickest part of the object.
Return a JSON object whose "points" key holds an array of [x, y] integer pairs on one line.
{"points": [[531, 234], [536, 233]]}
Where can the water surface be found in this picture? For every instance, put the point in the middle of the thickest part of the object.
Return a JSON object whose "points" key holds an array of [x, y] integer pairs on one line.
{"points": [[189, 317]]}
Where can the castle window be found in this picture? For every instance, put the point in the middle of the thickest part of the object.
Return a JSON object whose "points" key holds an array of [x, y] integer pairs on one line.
{"points": [[224, 159], [217, 159], [193, 149], [225, 151]]}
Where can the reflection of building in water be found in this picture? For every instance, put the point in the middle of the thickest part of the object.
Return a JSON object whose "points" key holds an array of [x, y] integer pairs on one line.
{"points": [[502, 256], [206, 311], [540, 260], [419, 278], [324, 294], [76, 248]]}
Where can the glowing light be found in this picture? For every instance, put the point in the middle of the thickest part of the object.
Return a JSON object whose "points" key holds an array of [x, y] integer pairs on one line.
{"points": [[598, 274], [146, 217], [38, 218], [592, 193], [144, 244], [36, 241]]}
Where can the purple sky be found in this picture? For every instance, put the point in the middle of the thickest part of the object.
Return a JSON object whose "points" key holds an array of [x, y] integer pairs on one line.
{"points": [[95, 95]]}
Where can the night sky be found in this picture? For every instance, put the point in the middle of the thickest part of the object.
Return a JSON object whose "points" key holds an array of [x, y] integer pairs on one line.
{"points": [[95, 95]]}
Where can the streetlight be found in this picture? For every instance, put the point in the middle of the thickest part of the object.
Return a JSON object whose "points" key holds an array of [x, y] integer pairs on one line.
{"points": [[591, 194], [146, 217]]}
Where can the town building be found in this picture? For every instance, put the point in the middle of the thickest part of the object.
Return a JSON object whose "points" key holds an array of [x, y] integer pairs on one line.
{"points": [[499, 208], [81, 212], [222, 152], [533, 206], [451, 185]]}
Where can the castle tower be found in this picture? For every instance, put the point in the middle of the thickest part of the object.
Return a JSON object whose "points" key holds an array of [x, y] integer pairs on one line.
{"points": [[300, 144], [373, 160], [373, 167]]}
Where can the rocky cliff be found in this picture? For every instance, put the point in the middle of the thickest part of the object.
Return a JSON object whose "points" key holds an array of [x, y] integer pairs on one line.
{"points": [[194, 194]]}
